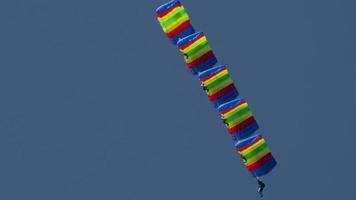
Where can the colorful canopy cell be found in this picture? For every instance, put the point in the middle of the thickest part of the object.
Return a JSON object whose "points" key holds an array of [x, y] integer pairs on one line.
{"points": [[198, 54], [174, 20], [238, 118], [256, 155], [218, 85]]}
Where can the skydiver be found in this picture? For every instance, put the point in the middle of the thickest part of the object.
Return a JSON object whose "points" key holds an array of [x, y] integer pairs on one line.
{"points": [[224, 121], [243, 158], [261, 186], [186, 56], [204, 87]]}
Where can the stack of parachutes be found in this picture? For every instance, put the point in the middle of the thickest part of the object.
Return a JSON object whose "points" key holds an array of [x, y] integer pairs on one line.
{"points": [[220, 88]]}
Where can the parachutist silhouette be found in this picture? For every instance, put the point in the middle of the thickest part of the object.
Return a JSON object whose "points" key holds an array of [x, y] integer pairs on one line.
{"points": [[261, 186], [204, 87], [225, 122]]}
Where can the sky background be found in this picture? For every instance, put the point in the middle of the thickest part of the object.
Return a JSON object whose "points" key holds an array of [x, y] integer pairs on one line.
{"points": [[95, 102]]}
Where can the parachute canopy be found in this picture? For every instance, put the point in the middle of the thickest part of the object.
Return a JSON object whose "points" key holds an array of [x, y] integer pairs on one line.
{"points": [[218, 84], [238, 118], [198, 53], [174, 20], [258, 158]]}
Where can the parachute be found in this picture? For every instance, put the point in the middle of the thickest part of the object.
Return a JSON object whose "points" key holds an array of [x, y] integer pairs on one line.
{"points": [[238, 118], [219, 87], [174, 20], [197, 51], [257, 156]]}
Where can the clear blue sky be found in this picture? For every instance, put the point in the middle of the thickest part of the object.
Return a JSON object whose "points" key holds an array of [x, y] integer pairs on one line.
{"points": [[97, 104]]}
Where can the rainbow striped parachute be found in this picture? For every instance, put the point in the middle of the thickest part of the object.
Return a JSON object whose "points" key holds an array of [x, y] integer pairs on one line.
{"points": [[174, 20], [219, 87], [198, 54]]}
